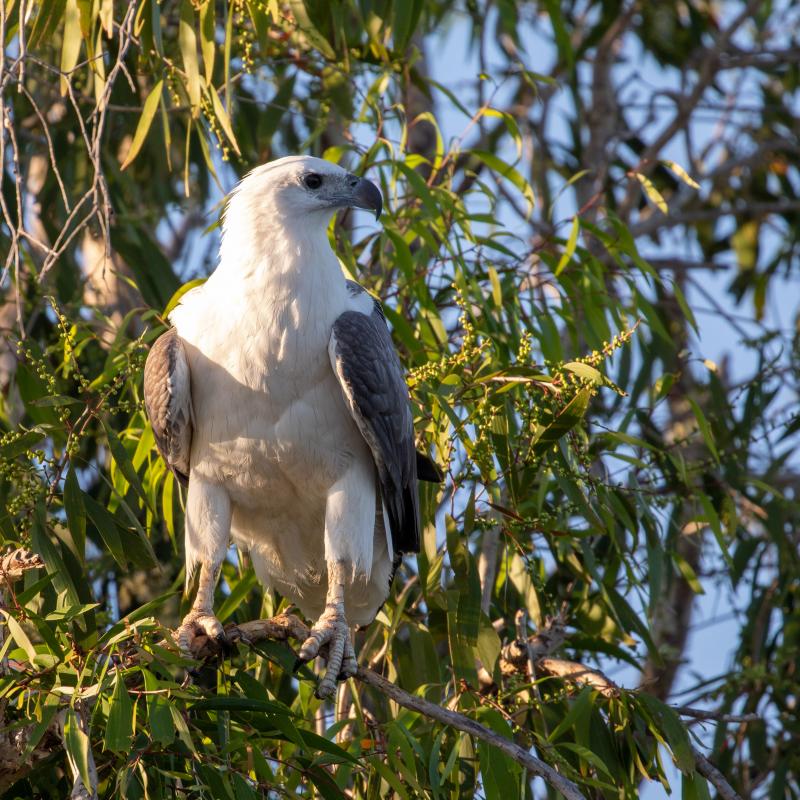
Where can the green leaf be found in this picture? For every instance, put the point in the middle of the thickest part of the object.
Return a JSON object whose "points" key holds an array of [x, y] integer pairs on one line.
{"points": [[56, 400], [628, 619], [695, 787], [45, 22], [123, 461], [176, 298], [579, 711], [119, 729], [497, 291], [35, 733], [142, 612], [19, 636], [562, 37], [41, 543], [239, 593], [489, 645], [511, 174], [500, 773], [565, 421], [588, 756], [221, 703], [304, 23], [159, 717], [143, 126], [689, 575], [585, 371], [108, 529], [673, 729], [745, 241], [685, 307], [277, 108], [76, 743], [183, 729], [187, 40], [714, 522], [405, 18], [207, 42], [572, 243], [21, 444], [71, 43], [223, 119], [705, 428]]}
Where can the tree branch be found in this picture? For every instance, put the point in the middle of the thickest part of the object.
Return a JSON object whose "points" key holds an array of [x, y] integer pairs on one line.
{"points": [[703, 714], [714, 776], [287, 626], [463, 723]]}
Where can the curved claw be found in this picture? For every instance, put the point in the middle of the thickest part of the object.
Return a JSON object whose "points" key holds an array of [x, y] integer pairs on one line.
{"points": [[330, 629], [196, 624]]}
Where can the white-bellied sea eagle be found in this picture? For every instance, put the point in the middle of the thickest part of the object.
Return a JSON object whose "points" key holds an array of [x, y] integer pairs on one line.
{"points": [[278, 395]]}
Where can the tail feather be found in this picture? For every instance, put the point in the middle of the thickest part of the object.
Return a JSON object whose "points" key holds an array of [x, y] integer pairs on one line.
{"points": [[427, 469]]}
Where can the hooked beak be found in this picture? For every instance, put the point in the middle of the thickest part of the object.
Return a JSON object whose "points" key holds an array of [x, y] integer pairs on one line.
{"points": [[366, 195]]}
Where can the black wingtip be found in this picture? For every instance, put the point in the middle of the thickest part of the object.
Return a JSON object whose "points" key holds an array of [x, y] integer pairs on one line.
{"points": [[428, 470]]}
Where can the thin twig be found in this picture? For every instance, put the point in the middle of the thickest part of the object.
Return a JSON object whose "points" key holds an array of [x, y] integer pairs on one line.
{"points": [[716, 716], [715, 777]]}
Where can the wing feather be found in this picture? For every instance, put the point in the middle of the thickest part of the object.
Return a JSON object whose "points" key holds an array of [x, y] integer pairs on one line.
{"points": [[168, 401], [366, 363]]}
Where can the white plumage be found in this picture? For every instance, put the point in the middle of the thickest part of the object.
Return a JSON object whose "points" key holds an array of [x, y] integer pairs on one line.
{"points": [[279, 461]]}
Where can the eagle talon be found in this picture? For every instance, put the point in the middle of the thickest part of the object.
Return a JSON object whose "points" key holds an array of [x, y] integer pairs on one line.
{"points": [[332, 630], [198, 623]]}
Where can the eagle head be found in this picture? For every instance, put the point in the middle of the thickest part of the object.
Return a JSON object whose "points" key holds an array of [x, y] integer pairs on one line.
{"points": [[299, 186]]}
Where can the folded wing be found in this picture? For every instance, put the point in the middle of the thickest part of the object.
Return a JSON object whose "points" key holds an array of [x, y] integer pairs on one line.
{"points": [[369, 371], [168, 400]]}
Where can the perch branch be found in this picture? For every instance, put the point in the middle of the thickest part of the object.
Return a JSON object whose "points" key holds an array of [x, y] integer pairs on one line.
{"points": [[287, 626]]}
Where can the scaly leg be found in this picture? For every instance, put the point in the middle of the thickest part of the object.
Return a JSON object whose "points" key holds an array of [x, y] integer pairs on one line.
{"points": [[332, 629], [208, 526], [201, 619]]}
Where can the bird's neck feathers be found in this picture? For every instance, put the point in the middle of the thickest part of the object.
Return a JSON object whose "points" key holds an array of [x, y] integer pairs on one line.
{"points": [[262, 243]]}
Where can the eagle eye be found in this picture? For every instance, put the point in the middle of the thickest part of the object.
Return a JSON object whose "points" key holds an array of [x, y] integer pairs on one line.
{"points": [[312, 180]]}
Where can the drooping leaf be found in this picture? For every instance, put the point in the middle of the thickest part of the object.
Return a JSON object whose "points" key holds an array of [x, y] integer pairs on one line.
{"points": [[119, 729], [145, 121]]}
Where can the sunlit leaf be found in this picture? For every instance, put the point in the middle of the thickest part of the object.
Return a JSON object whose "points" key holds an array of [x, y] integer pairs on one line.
{"points": [[143, 126], [652, 193]]}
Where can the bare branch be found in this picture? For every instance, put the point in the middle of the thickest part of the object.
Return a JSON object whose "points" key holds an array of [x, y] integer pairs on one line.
{"points": [[715, 777], [716, 716]]}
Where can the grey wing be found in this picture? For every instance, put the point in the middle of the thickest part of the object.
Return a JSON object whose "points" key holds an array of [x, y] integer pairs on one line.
{"points": [[168, 400], [364, 359]]}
